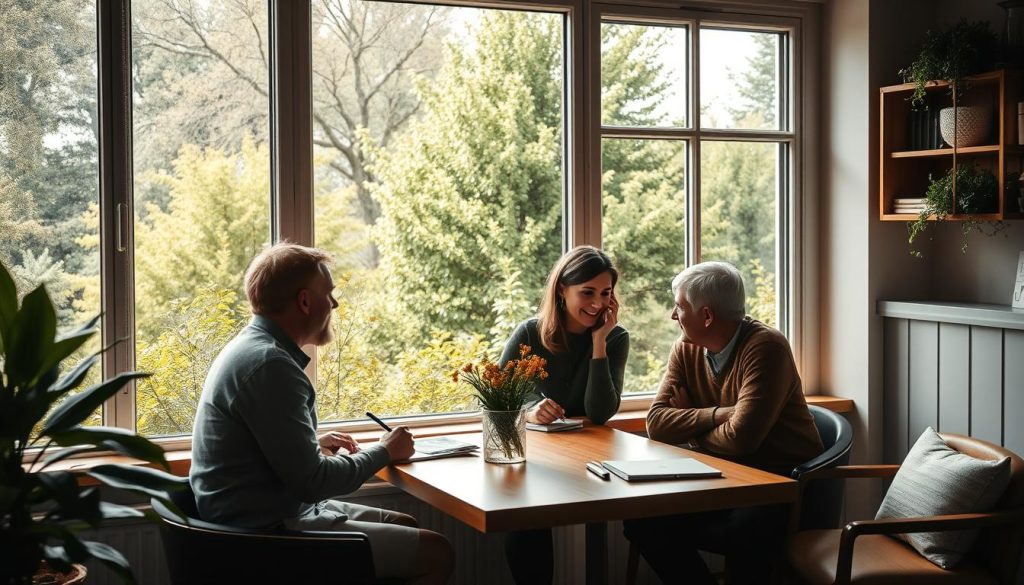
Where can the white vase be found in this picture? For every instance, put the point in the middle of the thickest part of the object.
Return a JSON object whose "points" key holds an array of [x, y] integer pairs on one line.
{"points": [[973, 125]]}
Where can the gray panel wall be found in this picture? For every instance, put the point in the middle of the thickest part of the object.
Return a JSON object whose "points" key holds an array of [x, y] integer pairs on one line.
{"points": [[957, 378]]}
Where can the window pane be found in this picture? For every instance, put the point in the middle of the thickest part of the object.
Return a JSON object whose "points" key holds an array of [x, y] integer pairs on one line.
{"points": [[49, 174], [739, 194], [202, 191], [739, 79], [439, 189], [643, 75], [643, 203]]}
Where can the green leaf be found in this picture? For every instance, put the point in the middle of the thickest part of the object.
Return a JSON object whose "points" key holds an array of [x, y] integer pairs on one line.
{"points": [[112, 558], [118, 511], [122, 441], [81, 406], [8, 305], [74, 377], [65, 453], [65, 347], [31, 338], [144, 480]]}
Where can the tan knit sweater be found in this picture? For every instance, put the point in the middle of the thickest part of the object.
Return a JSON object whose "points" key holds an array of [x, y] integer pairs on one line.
{"points": [[770, 427]]}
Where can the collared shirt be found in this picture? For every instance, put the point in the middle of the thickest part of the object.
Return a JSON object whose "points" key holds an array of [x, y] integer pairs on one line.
{"points": [[718, 360], [255, 457]]}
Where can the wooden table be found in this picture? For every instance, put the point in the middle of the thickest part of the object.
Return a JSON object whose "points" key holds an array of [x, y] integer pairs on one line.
{"points": [[554, 488]]}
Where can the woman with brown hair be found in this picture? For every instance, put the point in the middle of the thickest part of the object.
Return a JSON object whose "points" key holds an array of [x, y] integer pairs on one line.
{"points": [[577, 331]]}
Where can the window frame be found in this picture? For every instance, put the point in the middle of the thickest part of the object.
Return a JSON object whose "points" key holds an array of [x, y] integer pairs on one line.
{"points": [[292, 157]]}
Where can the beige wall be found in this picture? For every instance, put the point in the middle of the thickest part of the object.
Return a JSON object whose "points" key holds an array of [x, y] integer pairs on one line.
{"points": [[864, 260]]}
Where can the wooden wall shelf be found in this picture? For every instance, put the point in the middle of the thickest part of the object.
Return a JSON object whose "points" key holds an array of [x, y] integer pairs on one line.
{"points": [[906, 173]]}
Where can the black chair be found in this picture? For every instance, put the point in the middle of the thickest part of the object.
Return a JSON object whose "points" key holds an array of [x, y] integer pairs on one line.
{"points": [[821, 501], [200, 553]]}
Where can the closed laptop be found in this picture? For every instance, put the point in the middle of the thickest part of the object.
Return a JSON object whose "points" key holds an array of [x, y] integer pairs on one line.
{"points": [[675, 468]]}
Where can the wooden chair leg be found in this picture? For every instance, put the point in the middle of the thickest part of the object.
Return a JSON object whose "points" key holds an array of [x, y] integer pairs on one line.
{"points": [[632, 565]]}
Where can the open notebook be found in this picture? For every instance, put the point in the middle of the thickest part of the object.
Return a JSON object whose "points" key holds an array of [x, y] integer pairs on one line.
{"points": [[438, 447], [566, 424], [676, 468]]}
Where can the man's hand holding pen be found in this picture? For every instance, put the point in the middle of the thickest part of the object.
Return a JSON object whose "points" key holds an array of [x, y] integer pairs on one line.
{"points": [[398, 441]]}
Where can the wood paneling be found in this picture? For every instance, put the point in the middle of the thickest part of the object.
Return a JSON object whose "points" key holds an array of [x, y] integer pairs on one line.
{"points": [[958, 377], [924, 378], [987, 384], [954, 378]]}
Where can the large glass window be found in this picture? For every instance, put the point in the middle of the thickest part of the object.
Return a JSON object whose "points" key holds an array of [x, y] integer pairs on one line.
{"points": [[735, 160], [440, 181], [439, 184], [49, 165], [200, 109]]}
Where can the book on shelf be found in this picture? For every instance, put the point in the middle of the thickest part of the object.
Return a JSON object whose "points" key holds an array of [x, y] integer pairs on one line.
{"points": [[559, 425]]}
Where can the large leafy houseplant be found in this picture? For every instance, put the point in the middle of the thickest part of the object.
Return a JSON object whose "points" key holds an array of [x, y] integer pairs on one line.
{"points": [[950, 54], [977, 191], [41, 510]]}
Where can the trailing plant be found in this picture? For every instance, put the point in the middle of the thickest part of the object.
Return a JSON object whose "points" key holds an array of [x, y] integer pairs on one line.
{"points": [[977, 191], [951, 55], [41, 510]]}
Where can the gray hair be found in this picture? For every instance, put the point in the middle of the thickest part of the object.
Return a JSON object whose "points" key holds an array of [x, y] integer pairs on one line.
{"points": [[717, 285]]}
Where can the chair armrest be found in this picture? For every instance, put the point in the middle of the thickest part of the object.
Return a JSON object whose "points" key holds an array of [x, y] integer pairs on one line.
{"points": [[852, 472], [892, 526]]}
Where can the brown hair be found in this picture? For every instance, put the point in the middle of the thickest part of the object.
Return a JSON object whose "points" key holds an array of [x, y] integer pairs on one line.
{"points": [[576, 266], [277, 274]]}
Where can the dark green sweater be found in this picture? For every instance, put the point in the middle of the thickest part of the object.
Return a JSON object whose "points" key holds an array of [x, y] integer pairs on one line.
{"points": [[255, 456], [581, 385]]}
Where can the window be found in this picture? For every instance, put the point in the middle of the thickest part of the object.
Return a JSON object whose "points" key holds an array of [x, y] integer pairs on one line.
{"points": [[674, 193], [49, 167], [438, 187], [200, 110], [450, 159]]}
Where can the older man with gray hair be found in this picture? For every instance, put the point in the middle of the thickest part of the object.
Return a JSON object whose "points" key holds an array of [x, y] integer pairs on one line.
{"points": [[732, 389]]}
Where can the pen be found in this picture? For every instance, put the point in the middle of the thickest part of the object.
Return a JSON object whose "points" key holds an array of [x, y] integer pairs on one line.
{"points": [[377, 420], [560, 419], [598, 470]]}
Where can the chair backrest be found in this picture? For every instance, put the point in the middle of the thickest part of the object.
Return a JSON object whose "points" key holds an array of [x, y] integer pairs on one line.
{"points": [[200, 553], [999, 548], [822, 502]]}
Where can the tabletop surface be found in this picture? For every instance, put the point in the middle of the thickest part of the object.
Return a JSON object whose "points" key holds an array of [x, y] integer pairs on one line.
{"points": [[554, 488]]}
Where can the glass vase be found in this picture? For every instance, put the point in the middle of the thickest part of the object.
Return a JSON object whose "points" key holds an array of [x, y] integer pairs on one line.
{"points": [[504, 435]]}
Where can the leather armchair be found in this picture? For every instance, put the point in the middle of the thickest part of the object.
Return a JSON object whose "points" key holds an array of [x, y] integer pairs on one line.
{"points": [[865, 552]]}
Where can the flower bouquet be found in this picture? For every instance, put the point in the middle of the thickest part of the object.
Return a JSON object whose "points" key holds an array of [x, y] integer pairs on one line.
{"points": [[503, 392]]}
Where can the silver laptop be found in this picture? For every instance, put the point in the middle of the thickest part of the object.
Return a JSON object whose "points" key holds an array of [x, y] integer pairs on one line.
{"points": [[676, 468]]}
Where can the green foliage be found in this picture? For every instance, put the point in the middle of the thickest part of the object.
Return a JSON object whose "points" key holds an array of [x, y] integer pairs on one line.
{"points": [[477, 179], [951, 54], [976, 192], [32, 415]]}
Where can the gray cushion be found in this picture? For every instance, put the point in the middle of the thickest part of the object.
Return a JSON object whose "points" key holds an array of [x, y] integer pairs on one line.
{"points": [[936, 479]]}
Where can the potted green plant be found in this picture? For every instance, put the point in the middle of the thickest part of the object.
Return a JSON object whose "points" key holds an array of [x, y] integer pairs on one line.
{"points": [[977, 191], [42, 510], [950, 54]]}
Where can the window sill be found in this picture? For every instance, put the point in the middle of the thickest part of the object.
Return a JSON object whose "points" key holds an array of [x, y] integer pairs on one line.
{"points": [[631, 418]]}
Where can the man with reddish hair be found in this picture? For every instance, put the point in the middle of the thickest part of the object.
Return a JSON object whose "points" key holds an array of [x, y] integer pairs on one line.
{"points": [[256, 459]]}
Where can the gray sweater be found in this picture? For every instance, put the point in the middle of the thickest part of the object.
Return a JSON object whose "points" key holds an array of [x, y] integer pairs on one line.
{"points": [[255, 456], [581, 385]]}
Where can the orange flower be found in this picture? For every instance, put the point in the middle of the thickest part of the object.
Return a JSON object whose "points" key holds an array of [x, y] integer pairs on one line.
{"points": [[524, 350], [467, 368]]}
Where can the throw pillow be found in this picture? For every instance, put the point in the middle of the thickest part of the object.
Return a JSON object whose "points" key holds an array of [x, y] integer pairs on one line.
{"points": [[936, 479]]}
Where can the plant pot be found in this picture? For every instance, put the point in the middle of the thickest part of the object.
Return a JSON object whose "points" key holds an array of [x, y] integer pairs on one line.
{"points": [[973, 125], [46, 575], [504, 435]]}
